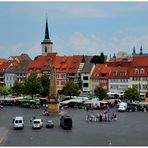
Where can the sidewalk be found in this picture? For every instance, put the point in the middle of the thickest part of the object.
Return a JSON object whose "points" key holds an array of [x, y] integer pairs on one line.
{"points": [[3, 135]]}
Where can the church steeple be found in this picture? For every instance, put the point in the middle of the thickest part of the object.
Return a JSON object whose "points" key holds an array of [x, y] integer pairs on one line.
{"points": [[141, 50], [134, 51], [47, 43], [46, 30]]}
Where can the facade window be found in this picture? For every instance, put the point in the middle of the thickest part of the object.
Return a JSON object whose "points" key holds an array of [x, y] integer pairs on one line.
{"points": [[145, 78], [57, 82], [122, 73], [145, 87], [136, 71], [57, 75], [85, 84], [62, 82], [62, 75], [45, 49], [85, 78], [142, 71], [113, 73]]}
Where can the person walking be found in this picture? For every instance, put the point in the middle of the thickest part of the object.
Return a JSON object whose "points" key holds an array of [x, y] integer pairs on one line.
{"points": [[100, 117]]}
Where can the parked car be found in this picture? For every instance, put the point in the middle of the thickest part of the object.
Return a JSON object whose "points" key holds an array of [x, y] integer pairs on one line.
{"points": [[1, 107], [18, 122], [49, 124], [122, 107], [37, 124], [66, 122]]}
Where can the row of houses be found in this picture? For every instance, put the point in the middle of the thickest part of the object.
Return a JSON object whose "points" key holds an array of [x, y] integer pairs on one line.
{"points": [[115, 75]]}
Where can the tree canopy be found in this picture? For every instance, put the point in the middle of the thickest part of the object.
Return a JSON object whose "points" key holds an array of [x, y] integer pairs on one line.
{"points": [[45, 83], [131, 93], [17, 88], [98, 59], [100, 92], [32, 85], [71, 89], [4, 91]]}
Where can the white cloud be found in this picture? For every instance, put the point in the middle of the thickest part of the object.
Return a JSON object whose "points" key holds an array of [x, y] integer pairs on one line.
{"points": [[79, 43]]}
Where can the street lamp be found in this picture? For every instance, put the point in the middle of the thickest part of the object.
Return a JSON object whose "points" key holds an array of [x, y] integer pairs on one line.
{"points": [[139, 87]]}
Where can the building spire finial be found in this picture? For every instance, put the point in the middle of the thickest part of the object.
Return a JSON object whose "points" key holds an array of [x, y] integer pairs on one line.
{"points": [[141, 50], [134, 51], [46, 30]]}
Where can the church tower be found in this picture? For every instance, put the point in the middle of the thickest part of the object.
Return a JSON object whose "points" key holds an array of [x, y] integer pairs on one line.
{"points": [[46, 44]]}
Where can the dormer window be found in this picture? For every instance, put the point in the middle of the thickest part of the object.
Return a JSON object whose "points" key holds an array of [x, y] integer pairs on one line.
{"points": [[136, 71], [142, 71]]}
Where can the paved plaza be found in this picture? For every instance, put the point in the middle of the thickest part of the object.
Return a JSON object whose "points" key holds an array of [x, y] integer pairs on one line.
{"points": [[130, 129]]}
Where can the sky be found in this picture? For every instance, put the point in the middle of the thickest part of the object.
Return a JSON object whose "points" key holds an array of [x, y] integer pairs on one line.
{"points": [[75, 28]]}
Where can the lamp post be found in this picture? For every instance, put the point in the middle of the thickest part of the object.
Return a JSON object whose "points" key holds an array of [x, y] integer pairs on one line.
{"points": [[139, 88]]}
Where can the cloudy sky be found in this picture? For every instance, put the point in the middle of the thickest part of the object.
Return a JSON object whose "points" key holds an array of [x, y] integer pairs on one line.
{"points": [[74, 27]]}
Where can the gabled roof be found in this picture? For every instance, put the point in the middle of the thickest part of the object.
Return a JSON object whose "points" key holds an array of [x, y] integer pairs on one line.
{"points": [[74, 64], [62, 63], [87, 68], [42, 62], [99, 70]]}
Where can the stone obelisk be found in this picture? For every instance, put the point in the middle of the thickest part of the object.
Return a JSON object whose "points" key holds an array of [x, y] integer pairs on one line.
{"points": [[53, 102]]}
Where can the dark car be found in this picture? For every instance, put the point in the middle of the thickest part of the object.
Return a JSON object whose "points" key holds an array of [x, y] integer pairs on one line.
{"points": [[49, 124], [66, 122]]}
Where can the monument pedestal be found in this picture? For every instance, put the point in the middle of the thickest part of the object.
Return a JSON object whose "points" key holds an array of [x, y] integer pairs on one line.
{"points": [[53, 108]]}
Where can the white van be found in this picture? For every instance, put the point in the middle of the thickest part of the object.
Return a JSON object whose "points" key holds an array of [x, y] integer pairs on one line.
{"points": [[37, 124], [122, 106], [18, 122]]}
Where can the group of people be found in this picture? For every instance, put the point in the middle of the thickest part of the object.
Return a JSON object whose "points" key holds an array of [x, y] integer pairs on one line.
{"points": [[103, 116]]}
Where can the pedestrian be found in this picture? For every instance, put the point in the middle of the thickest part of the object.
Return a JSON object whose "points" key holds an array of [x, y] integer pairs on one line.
{"points": [[100, 117], [144, 109], [108, 108]]}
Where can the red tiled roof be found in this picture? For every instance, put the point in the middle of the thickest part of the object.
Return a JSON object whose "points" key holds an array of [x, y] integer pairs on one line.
{"points": [[74, 64], [140, 61], [42, 62], [118, 71], [4, 66], [3, 60], [133, 74], [99, 70]]}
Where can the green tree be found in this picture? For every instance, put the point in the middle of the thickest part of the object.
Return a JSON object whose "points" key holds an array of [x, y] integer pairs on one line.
{"points": [[4, 91], [131, 94], [71, 89], [100, 92], [32, 85], [17, 88], [45, 83], [98, 59]]}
